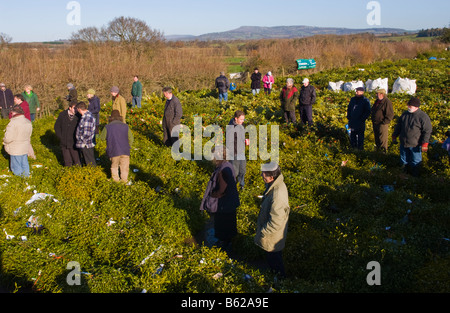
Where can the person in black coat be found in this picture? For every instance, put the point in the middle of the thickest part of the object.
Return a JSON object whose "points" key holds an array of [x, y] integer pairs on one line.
{"points": [[6, 100], [65, 128], [225, 190], [222, 84], [306, 100], [94, 108], [358, 112], [172, 116], [256, 81], [72, 97]]}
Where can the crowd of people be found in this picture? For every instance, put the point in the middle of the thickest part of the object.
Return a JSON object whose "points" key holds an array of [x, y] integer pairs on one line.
{"points": [[78, 129]]}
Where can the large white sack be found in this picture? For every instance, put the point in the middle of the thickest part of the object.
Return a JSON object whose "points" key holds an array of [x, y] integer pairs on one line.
{"points": [[375, 84], [335, 86], [235, 75], [351, 86], [402, 85]]}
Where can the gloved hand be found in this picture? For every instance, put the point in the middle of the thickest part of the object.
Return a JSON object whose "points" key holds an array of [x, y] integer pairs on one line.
{"points": [[394, 140], [425, 147]]}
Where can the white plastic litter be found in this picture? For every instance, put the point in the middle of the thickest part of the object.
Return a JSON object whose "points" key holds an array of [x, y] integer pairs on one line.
{"points": [[217, 276], [149, 256], [8, 237], [39, 196]]}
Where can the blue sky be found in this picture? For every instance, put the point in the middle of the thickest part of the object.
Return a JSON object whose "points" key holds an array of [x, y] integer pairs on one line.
{"points": [[46, 20]]}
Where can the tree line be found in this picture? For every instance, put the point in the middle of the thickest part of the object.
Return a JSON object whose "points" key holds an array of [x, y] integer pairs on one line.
{"points": [[443, 33]]}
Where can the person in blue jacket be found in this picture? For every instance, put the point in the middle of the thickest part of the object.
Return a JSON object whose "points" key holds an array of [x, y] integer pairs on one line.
{"points": [[358, 111], [94, 108]]}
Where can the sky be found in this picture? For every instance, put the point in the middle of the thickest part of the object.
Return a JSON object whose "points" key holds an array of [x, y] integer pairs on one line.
{"points": [[49, 20]]}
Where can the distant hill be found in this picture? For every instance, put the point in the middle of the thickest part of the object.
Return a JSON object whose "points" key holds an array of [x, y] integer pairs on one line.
{"points": [[259, 32]]}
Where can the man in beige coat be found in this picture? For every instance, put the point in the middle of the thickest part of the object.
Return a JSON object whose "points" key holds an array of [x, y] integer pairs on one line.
{"points": [[119, 102], [271, 228], [17, 141]]}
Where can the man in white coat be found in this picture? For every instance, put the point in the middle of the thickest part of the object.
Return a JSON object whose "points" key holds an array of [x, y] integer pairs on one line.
{"points": [[17, 141]]}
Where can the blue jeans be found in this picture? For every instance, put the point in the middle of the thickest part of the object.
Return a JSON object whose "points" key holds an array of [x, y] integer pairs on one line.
{"points": [[239, 170], [411, 156], [255, 91], [19, 165], [32, 116], [137, 102], [357, 139], [223, 96]]}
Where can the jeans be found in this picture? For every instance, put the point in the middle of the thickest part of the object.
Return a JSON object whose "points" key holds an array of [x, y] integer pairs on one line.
{"points": [[223, 96], [357, 139], [411, 158], [136, 102], [267, 90], [19, 165], [255, 91], [32, 116], [239, 170]]}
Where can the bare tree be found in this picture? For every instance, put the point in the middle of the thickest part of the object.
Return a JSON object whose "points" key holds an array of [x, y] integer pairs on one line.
{"points": [[89, 35], [132, 30], [122, 29], [5, 39]]}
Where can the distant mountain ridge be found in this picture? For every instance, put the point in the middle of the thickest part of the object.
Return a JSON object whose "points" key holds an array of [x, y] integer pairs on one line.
{"points": [[260, 32]]}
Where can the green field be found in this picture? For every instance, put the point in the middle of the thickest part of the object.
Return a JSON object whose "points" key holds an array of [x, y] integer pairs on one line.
{"points": [[341, 217]]}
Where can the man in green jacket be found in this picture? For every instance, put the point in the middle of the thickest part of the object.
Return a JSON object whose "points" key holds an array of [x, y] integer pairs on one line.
{"points": [[271, 227], [136, 92], [288, 98], [33, 102]]}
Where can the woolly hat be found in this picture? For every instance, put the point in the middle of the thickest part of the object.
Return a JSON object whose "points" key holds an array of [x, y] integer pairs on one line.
{"points": [[115, 89], [91, 92], [381, 91], [359, 89], [414, 102]]}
